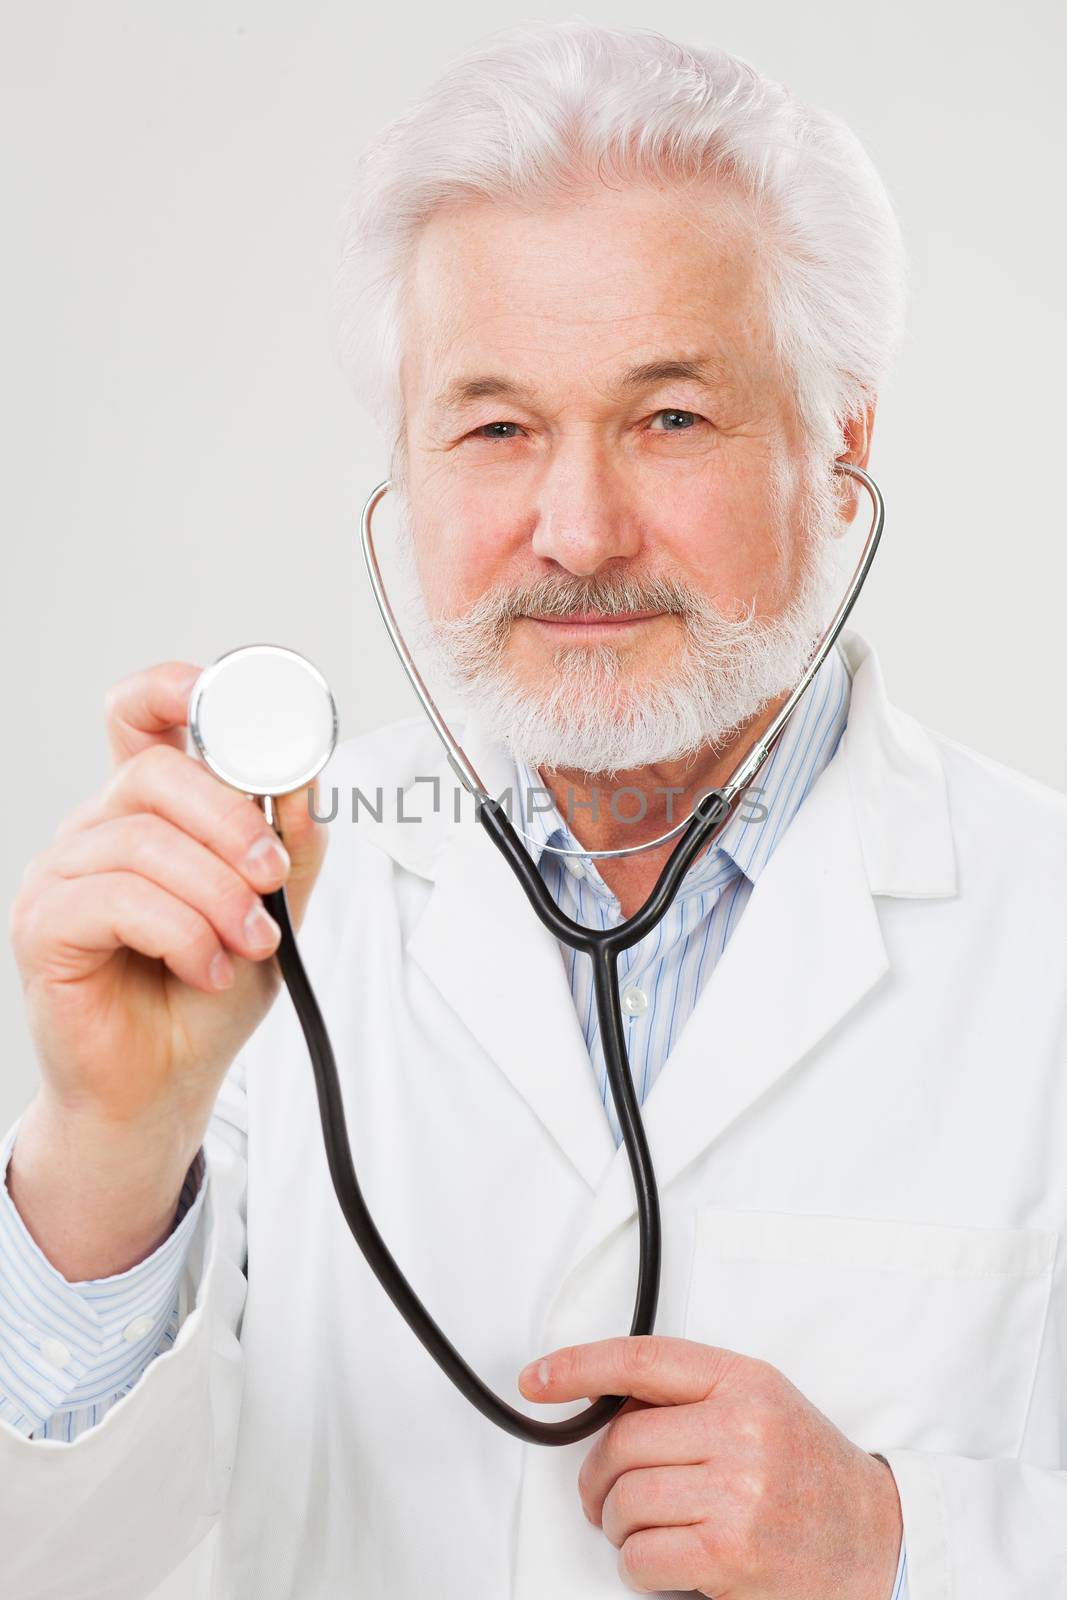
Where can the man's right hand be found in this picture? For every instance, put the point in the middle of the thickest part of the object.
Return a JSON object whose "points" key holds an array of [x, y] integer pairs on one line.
{"points": [[144, 951]]}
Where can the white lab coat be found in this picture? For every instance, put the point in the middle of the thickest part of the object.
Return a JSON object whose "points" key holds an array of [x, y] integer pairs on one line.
{"points": [[861, 1142]]}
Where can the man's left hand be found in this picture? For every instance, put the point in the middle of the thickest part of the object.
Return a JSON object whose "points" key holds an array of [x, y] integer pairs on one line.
{"points": [[719, 1476]]}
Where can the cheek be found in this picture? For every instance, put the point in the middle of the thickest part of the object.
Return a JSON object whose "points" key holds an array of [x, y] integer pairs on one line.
{"points": [[465, 546], [720, 532], [459, 556]]}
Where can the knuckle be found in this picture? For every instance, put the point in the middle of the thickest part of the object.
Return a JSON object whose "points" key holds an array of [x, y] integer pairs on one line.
{"points": [[129, 778], [113, 696], [742, 1548], [123, 896], [630, 1565], [756, 1484], [74, 820], [32, 873], [642, 1354], [141, 839], [159, 759], [171, 920], [241, 820], [25, 914], [19, 918], [626, 1495], [754, 1427], [192, 929], [564, 1367], [708, 1541], [714, 1550], [764, 1380], [624, 1437]]}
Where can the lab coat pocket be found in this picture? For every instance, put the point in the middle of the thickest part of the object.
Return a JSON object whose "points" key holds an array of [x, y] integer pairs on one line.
{"points": [[903, 1333]]}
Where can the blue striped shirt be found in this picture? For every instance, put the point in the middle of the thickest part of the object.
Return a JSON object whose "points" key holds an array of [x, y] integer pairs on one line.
{"points": [[69, 1351], [108, 1330]]}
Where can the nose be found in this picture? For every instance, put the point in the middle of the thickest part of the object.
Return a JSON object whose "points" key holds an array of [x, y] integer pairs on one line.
{"points": [[584, 517]]}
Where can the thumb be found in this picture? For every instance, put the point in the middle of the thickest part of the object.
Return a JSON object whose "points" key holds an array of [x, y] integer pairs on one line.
{"points": [[305, 839]]}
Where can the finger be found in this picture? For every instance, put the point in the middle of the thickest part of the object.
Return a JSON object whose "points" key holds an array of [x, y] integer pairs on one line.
{"points": [[149, 707], [174, 786], [667, 1558], [305, 838], [655, 1437], [654, 1497], [649, 1367], [100, 913], [162, 853]]}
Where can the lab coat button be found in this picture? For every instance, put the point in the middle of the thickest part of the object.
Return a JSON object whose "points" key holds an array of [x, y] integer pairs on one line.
{"points": [[634, 1002], [137, 1329], [55, 1352]]}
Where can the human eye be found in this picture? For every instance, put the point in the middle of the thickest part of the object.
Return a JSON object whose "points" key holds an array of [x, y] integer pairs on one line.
{"points": [[676, 421], [493, 430]]}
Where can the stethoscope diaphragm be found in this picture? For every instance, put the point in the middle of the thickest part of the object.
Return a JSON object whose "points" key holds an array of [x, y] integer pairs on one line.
{"points": [[263, 719]]}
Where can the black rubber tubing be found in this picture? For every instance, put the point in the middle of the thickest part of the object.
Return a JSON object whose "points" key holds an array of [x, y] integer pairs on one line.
{"points": [[603, 948]]}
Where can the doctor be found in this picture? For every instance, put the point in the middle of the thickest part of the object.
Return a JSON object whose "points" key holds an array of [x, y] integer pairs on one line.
{"points": [[620, 305]]}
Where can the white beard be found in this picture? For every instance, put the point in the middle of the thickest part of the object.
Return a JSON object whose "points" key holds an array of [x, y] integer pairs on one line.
{"points": [[589, 716]]}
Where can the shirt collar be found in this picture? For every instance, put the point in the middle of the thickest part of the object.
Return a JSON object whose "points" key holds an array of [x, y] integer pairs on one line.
{"points": [[762, 814]]}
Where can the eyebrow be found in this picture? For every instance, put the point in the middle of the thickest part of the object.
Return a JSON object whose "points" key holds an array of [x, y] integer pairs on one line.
{"points": [[648, 374]]}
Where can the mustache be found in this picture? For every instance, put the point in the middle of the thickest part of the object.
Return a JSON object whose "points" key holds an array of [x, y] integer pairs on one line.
{"points": [[611, 594]]}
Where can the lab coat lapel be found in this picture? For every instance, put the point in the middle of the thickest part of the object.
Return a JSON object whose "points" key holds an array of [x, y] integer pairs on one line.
{"points": [[809, 947], [806, 952], [481, 944]]}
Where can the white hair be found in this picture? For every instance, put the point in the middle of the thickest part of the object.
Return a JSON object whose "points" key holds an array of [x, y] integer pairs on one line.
{"points": [[542, 107]]}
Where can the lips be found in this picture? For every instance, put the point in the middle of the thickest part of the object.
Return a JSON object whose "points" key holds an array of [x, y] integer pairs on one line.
{"points": [[587, 619]]}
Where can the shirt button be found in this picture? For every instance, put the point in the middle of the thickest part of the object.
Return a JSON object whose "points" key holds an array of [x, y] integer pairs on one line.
{"points": [[55, 1352], [634, 1002], [139, 1328]]}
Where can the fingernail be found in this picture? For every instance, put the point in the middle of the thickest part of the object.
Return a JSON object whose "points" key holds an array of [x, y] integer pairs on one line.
{"points": [[261, 930], [535, 1376], [267, 857], [221, 970]]}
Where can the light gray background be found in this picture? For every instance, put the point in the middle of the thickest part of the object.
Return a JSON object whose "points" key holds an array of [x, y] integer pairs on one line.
{"points": [[183, 464]]}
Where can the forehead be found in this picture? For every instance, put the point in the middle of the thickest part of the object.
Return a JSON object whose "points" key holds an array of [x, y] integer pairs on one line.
{"points": [[592, 285]]}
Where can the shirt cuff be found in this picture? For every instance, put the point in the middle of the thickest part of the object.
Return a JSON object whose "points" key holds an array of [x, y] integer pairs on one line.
{"points": [[66, 1345]]}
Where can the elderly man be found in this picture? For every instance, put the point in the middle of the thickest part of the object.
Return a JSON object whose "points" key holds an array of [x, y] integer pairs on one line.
{"points": [[619, 306]]}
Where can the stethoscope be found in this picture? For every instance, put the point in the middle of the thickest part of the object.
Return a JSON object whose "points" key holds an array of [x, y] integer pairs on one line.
{"points": [[264, 720]]}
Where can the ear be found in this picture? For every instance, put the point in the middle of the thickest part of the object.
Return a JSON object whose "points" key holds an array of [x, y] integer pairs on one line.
{"points": [[857, 431]]}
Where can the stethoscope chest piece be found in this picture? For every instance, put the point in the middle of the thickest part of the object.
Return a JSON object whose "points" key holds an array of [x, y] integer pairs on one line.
{"points": [[263, 719]]}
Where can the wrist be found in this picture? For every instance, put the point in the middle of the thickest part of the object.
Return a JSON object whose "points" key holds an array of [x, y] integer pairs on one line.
{"points": [[95, 1196]]}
